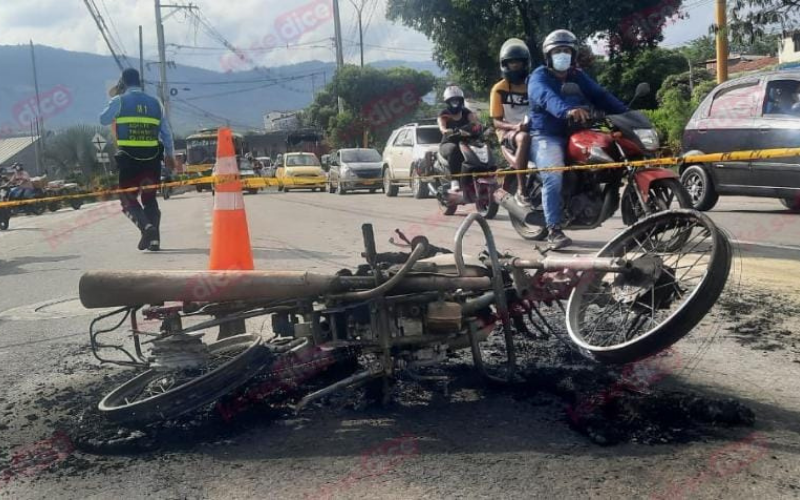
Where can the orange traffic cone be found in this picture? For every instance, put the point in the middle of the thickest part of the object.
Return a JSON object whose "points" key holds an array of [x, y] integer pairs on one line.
{"points": [[230, 238]]}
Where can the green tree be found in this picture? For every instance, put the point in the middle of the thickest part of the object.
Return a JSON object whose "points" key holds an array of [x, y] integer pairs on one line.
{"points": [[751, 20], [467, 35], [700, 49], [705, 48], [72, 148], [652, 66], [375, 101]]}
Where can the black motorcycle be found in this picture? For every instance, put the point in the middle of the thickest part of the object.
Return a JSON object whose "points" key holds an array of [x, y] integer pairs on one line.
{"points": [[26, 209]]}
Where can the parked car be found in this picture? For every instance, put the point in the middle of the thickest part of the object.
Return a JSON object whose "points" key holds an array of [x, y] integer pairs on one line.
{"points": [[354, 169], [300, 171], [748, 113], [406, 145]]}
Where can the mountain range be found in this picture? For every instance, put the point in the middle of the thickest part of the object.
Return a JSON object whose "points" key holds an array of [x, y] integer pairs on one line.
{"points": [[73, 89]]}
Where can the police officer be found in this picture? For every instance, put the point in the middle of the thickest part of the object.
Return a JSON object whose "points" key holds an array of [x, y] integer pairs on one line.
{"points": [[143, 140]]}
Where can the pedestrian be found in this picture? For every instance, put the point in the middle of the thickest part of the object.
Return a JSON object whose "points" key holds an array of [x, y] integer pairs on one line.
{"points": [[143, 140]]}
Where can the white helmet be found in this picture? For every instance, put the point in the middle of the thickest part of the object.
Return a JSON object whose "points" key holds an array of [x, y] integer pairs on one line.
{"points": [[452, 92]]}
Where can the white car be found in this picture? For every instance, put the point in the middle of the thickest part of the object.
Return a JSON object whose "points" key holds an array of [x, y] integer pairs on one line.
{"points": [[405, 146]]}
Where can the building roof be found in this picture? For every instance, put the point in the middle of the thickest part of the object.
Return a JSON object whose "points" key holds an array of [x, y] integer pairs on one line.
{"points": [[754, 65], [11, 146]]}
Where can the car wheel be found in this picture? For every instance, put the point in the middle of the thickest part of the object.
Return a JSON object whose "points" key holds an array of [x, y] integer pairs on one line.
{"points": [[700, 188], [389, 188], [793, 204]]}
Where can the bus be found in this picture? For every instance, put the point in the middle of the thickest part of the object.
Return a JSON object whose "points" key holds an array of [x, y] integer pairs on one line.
{"points": [[201, 153]]}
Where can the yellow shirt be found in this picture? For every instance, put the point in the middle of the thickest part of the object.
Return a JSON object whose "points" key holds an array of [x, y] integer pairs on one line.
{"points": [[509, 103]]}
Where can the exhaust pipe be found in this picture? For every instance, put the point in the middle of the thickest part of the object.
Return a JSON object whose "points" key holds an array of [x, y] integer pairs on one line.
{"points": [[506, 200]]}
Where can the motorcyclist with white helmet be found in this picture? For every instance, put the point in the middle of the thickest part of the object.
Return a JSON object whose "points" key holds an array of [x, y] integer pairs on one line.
{"points": [[550, 113], [454, 117], [21, 182]]}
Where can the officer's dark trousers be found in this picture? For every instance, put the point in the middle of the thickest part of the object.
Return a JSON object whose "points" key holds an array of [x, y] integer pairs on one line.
{"points": [[137, 174]]}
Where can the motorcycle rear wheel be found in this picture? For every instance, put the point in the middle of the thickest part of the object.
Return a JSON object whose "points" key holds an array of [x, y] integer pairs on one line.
{"points": [[620, 318], [156, 395]]}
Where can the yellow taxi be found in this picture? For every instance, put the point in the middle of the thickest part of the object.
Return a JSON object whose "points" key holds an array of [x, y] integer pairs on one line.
{"points": [[300, 171]]}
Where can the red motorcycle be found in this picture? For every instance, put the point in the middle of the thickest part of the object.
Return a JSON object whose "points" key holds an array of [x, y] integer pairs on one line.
{"points": [[592, 196]]}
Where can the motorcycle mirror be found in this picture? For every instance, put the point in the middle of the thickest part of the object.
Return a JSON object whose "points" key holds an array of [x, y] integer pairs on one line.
{"points": [[641, 90]]}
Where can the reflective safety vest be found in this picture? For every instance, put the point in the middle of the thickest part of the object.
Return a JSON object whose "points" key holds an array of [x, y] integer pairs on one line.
{"points": [[137, 126]]}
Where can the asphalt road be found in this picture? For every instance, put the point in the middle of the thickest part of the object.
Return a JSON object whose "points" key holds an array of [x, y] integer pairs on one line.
{"points": [[476, 444]]}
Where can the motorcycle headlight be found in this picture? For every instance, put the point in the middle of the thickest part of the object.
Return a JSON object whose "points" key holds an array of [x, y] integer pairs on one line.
{"points": [[649, 138], [482, 154]]}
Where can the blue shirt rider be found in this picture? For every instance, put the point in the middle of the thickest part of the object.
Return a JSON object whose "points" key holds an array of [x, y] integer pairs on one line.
{"points": [[549, 115]]}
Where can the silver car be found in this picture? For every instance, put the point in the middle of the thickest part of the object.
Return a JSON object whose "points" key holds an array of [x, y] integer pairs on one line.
{"points": [[353, 169], [407, 145]]}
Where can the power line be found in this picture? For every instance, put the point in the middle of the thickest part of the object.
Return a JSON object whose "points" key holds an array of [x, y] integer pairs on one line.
{"points": [[242, 91], [218, 118], [213, 33]]}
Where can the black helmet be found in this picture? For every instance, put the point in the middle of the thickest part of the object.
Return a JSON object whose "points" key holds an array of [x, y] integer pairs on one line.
{"points": [[515, 49], [560, 38]]}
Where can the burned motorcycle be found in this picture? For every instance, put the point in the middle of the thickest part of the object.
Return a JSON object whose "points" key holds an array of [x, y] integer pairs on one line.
{"points": [[592, 196], [397, 315]]}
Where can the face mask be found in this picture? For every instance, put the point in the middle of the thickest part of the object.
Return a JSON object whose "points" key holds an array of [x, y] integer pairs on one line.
{"points": [[561, 62], [455, 107]]}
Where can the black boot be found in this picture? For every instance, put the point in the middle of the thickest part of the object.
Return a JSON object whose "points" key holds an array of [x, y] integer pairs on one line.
{"points": [[556, 239], [154, 216], [138, 217]]}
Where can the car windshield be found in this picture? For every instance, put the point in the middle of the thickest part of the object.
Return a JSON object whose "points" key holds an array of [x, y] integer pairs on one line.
{"points": [[429, 135], [360, 156], [302, 160]]}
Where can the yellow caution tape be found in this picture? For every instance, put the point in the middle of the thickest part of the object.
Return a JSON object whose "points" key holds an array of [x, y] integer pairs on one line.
{"points": [[316, 182]]}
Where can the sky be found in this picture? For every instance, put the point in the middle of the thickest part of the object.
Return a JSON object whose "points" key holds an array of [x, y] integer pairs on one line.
{"points": [[269, 32]]}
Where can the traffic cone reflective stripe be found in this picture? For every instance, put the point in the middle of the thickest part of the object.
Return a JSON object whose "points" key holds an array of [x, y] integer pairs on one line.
{"points": [[228, 201], [230, 237]]}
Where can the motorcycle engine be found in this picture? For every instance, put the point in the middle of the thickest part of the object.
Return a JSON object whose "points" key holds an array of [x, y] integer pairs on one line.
{"points": [[585, 208]]}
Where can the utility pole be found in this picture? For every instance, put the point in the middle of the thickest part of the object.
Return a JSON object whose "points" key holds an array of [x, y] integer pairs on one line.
{"points": [[722, 41], [163, 92], [162, 61], [141, 57], [359, 9], [337, 26], [39, 149]]}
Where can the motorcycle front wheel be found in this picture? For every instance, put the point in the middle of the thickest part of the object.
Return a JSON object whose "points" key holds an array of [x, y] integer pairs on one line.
{"points": [[162, 395], [624, 317]]}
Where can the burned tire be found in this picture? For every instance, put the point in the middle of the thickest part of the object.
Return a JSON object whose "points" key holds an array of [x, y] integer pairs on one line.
{"points": [[233, 362], [656, 302]]}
